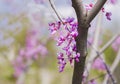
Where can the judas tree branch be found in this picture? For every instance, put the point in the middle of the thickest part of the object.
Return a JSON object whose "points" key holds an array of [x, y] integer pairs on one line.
{"points": [[81, 40], [113, 67], [79, 9], [95, 10]]}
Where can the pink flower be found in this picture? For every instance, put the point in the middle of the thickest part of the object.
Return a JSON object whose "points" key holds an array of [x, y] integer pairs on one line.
{"points": [[31, 52], [108, 15], [118, 40], [42, 50], [113, 1], [18, 72], [66, 41], [22, 52], [98, 64]]}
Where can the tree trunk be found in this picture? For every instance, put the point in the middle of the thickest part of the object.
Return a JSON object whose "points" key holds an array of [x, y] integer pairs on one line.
{"points": [[84, 18]]}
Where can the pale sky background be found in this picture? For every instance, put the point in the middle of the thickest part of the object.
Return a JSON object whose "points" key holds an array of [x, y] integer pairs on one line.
{"points": [[63, 7]]}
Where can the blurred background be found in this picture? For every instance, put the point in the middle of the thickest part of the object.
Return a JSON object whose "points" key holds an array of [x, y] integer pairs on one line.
{"points": [[28, 52]]}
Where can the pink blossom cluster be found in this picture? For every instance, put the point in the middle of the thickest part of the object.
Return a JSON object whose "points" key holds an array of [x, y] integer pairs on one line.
{"points": [[113, 1], [66, 33], [98, 64], [107, 14], [116, 44], [32, 50]]}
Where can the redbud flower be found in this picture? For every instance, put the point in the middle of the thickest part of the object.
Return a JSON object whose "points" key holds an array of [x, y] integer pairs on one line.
{"points": [[113, 1], [67, 33], [31, 51], [108, 15], [98, 64]]}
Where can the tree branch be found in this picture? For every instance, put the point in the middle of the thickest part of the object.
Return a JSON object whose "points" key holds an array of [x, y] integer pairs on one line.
{"points": [[98, 55], [113, 67], [109, 43], [81, 39], [79, 9], [106, 67], [95, 10], [55, 11]]}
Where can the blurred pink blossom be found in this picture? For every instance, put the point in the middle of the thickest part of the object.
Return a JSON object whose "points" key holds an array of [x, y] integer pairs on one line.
{"points": [[116, 44], [31, 52], [98, 64], [113, 1]]}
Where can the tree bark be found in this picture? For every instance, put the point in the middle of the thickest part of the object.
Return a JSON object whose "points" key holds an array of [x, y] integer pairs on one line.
{"points": [[81, 42], [84, 18]]}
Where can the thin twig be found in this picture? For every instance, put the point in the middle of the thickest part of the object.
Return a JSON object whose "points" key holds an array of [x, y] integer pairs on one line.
{"points": [[102, 50], [108, 44], [96, 77], [109, 72], [113, 67], [105, 46], [106, 67], [95, 10], [55, 11]]}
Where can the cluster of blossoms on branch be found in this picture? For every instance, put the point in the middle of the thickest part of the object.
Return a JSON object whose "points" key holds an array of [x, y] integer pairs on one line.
{"points": [[107, 14], [33, 49], [66, 33]]}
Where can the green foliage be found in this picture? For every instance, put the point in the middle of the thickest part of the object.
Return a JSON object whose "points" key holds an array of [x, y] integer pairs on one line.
{"points": [[110, 55], [20, 37]]}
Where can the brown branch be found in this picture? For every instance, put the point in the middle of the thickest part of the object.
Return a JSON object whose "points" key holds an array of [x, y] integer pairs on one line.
{"points": [[95, 10], [79, 9], [81, 40]]}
